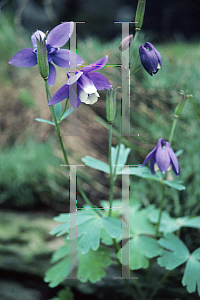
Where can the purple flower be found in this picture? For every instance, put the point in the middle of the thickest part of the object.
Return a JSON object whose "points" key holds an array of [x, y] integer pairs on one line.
{"points": [[56, 38], [150, 58], [164, 157], [87, 81]]}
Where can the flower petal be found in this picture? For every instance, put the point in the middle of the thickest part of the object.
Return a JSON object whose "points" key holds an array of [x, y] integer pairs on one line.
{"points": [[88, 98], [99, 81], [59, 35], [60, 95], [73, 95], [52, 75], [24, 58], [87, 84], [148, 59], [36, 35], [151, 47], [151, 155], [74, 78], [62, 58], [162, 157], [96, 65], [174, 162]]}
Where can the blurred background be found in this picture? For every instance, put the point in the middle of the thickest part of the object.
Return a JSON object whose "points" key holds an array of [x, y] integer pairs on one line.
{"points": [[33, 186]]}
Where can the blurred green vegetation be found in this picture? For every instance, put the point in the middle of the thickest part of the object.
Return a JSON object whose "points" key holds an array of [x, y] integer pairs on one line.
{"points": [[153, 100]]}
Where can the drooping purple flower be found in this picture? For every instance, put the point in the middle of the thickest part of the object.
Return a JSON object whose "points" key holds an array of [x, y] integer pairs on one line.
{"points": [[150, 58], [88, 83], [55, 39], [164, 157]]}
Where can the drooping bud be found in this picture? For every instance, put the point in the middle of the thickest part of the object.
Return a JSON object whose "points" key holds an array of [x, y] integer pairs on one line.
{"points": [[111, 104], [139, 14], [126, 42], [42, 58]]}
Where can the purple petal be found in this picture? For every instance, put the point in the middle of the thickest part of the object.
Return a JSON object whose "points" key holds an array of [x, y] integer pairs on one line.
{"points": [[52, 75], [86, 84], [60, 95], [174, 162], [99, 81], [96, 65], [24, 58], [73, 79], [151, 155], [163, 158], [152, 163], [151, 47], [73, 96], [62, 58], [59, 35], [149, 60], [36, 35]]}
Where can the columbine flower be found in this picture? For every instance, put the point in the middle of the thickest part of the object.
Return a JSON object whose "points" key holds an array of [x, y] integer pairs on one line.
{"points": [[88, 82], [56, 38], [164, 157], [150, 58], [126, 42]]}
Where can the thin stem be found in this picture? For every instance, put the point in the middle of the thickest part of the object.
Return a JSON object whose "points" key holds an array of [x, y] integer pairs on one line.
{"points": [[160, 211], [155, 236], [159, 284], [48, 93], [111, 170], [118, 150], [173, 129]]}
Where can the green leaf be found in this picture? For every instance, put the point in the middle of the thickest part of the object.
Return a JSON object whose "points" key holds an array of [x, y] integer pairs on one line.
{"points": [[65, 294], [141, 248], [58, 110], [61, 252], [122, 157], [176, 253], [144, 172], [58, 273], [44, 121], [91, 265], [169, 224], [96, 164], [139, 223], [67, 113], [100, 165], [175, 184], [191, 277]]}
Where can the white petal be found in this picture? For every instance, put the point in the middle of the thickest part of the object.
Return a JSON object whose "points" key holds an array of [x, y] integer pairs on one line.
{"points": [[89, 98]]}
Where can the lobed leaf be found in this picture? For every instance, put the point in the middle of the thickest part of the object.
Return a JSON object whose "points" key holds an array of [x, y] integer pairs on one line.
{"points": [[176, 252], [91, 265]]}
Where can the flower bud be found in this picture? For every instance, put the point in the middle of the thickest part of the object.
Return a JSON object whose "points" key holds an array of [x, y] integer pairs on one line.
{"points": [[139, 14], [111, 104], [42, 58], [126, 42], [181, 104]]}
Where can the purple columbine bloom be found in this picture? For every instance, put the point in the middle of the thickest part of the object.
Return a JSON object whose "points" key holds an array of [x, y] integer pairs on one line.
{"points": [[88, 82], [150, 58], [56, 38], [164, 157]]}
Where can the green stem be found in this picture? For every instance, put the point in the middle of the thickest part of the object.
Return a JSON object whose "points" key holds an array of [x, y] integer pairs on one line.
{"points": [[48, 93], [159, 284], [155, 236], [111, 170], [173, 129], [160, 211], [118, 150]]}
